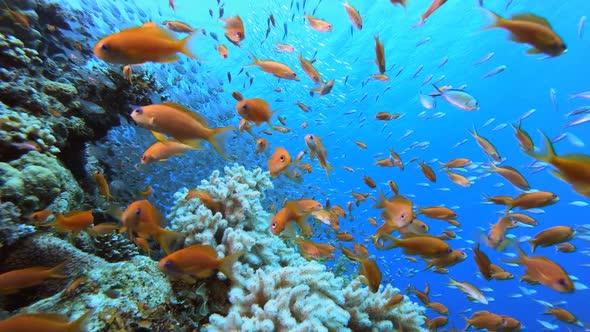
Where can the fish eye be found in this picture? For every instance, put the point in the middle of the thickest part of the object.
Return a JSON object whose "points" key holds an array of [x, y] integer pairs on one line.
{"points": [[311, 137], [244, 106], [239, 34], [282, 158], [168, 264], [561, 281], [273, 225], [563, 47], [105, 47], [138, 111], [450, 250], [137, 212], [294, 74], [403, 216], [424, 226]]}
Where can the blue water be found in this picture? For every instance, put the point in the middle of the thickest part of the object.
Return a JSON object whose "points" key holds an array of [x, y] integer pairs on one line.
{"points": [[456, 32]]}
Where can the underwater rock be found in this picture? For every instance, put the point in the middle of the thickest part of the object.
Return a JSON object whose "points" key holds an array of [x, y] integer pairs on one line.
{"points": [[121, 294], [11, 232], [112, 247], [37, 181]]}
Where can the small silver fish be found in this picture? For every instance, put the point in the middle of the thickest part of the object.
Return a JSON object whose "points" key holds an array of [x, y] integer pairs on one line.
{"points": [[495, 71], [578, 121], [460, 99], [443, 61], [581, 26], [553, 96], [485, 58]]}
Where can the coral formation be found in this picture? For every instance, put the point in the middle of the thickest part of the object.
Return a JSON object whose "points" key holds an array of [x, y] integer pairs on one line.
{"points": [[276, 288], [133, 289], [112, 247], [36, 181]]}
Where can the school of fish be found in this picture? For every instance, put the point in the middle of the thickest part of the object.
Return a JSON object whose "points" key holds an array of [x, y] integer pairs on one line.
{"points": [[403, 226]]}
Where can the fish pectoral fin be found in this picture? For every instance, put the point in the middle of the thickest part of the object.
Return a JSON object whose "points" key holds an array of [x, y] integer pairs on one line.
{"points": [[169, 59], [533, 51], [558, 175], [204, 274]]}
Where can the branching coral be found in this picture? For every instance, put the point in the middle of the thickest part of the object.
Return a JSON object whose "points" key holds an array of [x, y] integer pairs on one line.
{"points": [[276, 288]]}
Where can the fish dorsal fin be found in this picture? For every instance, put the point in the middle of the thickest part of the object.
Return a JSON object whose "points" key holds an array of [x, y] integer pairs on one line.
{"points": [[528, 17], [185, 110], [208, 250], [158, 31]]}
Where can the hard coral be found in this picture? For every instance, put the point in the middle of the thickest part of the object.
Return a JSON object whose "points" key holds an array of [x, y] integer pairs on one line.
{"points": [[120, 293], [36, 181], [275, 287]]}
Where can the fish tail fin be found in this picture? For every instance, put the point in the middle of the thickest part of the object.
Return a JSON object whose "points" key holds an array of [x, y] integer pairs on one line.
{"points": [[304, 225], [184, 45], [255, 60], [549, 153], [522, 257], [169, 240], [226, 265], [497, 19], [328, 169], [381, 203], [533, 245], [217, 138], [57, 272], [79, 325]]}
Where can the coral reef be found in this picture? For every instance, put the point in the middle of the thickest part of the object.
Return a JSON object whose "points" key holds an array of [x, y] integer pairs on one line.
{"points": [[112, 247], [36, 181], [120, 293], [276, 288]]}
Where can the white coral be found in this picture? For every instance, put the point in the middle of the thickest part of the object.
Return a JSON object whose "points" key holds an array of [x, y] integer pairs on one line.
{"points": [[275, 288]]}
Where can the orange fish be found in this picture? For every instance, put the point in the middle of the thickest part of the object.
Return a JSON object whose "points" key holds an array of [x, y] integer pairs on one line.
{"points": [[147, 192], [435, 5], [143, 218], [207, 200], [162, 150], [102, 229], [102, 184], [234, 29], [40, 216], [353, 15], [276, 68], [344, 236], [143, 245], [261, 144], [44, 322], [428, 172], [12, 281], [255, 110], [279, 162], [18, 17], [147, 43], [531, 29], [309, 69], [73, 222], [199, 261], [379, 55], [181, 123], [222, 49], [178, 26], [370, 273], [128, 73], [295, 211], [399, 2], [423, 245], [545, 272], [313, 250], [319, 25], [398, 210], [316, 148]]}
